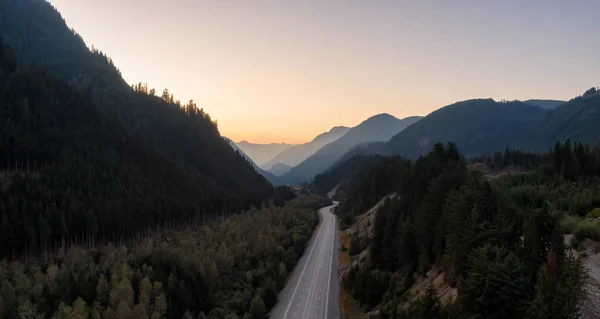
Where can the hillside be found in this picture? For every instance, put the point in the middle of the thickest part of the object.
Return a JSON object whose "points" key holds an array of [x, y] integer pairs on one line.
{"points": [[377, 128], [448, 243], [298, 153], [545, 104], [272, 178], [262, 153], [341, 174], [181, 133], [70, 175], [477, 127], [578, 119]]}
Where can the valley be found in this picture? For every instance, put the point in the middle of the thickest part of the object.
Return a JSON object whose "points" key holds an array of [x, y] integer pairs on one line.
{"points": [[121, 200]]}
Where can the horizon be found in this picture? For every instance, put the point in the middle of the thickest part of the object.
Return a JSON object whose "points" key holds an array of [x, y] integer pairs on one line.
{"points": [[274, 72]]}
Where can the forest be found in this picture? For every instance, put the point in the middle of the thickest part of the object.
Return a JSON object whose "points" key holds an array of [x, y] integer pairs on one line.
{"points": [[178, 132], [231, 269], [71, 176], [498, 241]]}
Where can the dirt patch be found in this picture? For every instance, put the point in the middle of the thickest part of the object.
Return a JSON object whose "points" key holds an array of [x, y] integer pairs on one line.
{"points": [[363, 226], [437, 279], [590, 306]]}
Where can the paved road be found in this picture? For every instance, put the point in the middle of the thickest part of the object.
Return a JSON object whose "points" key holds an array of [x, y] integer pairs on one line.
{"points": [[312, 291]]}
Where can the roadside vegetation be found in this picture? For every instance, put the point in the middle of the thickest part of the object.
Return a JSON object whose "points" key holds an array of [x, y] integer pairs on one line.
{"points": [[231, 269], [497, 240]]}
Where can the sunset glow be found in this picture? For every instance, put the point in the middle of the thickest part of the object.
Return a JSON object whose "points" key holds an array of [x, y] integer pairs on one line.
{"points": [[285, 71]]}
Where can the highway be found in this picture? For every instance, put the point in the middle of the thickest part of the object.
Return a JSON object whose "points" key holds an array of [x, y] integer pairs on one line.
{"points": [[312, 290]]}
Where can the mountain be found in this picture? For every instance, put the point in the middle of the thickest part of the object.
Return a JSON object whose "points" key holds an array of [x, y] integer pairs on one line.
{"points": [[483, 126], [280, 169], [377, 128], [271, 177], [545, 104], [477, 126], [298, 153], [262, 153], [183, 134], [67, 172]]}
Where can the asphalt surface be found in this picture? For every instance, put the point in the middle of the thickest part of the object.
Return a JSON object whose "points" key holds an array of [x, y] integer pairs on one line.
{"points": [[312, 290]]}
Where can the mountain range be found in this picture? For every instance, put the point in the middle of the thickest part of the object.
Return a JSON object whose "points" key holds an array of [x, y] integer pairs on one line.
{"points": [[380, 127], [484, 126], [298, 153], [262, 153]]}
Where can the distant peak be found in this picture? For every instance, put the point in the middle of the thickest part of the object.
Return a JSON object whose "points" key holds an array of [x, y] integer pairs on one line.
{"points": [[338, 129], [380, 117]]}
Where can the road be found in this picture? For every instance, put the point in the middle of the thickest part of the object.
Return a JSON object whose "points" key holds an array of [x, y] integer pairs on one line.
{"points": [[312, 291]]}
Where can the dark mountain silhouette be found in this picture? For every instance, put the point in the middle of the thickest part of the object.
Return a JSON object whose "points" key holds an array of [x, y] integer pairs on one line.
{"points": [[183, 134], [69, 175], [262, 153], [478, 126], [298, 153], [482, 126], [377, 128]]}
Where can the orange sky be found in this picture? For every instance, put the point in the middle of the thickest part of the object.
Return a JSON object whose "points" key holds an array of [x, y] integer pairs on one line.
{"points": [[285, 71]]}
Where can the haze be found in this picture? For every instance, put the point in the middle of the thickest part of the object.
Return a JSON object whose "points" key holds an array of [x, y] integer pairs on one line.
{"points": [[285, 71]]}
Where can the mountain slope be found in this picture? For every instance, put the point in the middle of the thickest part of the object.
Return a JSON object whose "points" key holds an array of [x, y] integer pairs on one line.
{"points": [[182, 133], [262, 153], [298, 153], [377, 128], [477, 126], [578, 119], [545, 104], [279, 169], [67, 173], [272, 178]]}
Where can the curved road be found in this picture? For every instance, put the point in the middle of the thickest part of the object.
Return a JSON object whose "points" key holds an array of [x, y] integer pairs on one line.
{"points": [[312, 291]]}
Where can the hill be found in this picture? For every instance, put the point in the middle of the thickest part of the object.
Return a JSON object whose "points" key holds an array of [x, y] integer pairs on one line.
{"points": [[484, 126], [545, 104], [69, 175], [262, 153], [180, 133], [477, 126], [341, 173], [298, 153], [377, 128]]}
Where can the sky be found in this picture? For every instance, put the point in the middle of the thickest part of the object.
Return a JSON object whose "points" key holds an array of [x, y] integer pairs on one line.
{"points": [[288, 70]]}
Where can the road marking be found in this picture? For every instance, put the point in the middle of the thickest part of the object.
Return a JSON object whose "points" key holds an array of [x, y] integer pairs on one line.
{"points": [[304, 268], [310, 292], [330, 266]]}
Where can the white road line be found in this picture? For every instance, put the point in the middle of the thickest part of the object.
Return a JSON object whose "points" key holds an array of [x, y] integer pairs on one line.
{"points": [[330, 267], [304, 268], [315, 276]]}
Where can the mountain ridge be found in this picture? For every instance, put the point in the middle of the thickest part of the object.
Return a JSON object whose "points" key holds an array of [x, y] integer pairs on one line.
{"points": [[379, 127], [296, 154]]}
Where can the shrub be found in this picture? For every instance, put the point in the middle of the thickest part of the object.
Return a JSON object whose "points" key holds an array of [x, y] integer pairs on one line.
{"points": [[594, 213], [587, 229], [568, 224]]}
